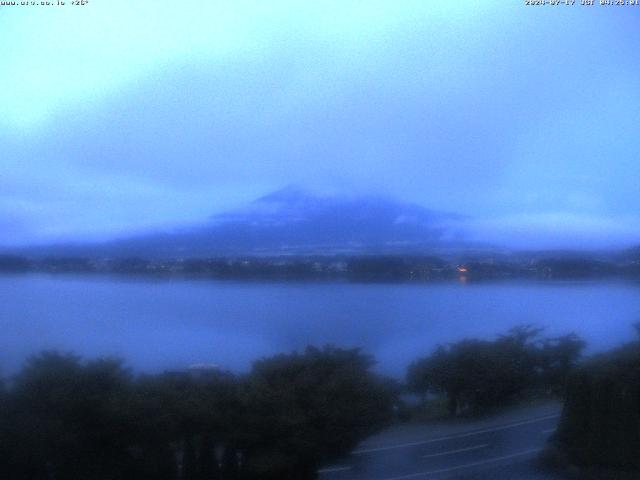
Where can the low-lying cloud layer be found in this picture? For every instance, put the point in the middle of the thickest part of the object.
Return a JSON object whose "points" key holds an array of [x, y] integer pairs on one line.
{"points": [[556, 230]]}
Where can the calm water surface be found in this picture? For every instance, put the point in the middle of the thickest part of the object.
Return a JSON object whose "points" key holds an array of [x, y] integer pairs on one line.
{"points": [[156, 325]]}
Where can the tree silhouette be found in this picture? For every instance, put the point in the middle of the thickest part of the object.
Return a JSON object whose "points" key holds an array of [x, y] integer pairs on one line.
{"points": [[476, 375], [65, 419], [309, 407]]}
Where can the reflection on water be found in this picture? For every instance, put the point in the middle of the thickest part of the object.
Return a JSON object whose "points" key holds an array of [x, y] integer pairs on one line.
{"points": [[169, 324]]}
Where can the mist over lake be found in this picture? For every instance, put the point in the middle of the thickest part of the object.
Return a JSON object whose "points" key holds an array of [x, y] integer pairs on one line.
{"points": [[166, 324]]}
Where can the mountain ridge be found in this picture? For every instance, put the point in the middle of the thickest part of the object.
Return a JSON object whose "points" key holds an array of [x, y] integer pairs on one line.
{"points": [[292, 220]]}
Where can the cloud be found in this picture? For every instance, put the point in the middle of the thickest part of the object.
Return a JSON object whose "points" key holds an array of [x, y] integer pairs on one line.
{"points": [[124, 115], [82, 56], [556, 230]]}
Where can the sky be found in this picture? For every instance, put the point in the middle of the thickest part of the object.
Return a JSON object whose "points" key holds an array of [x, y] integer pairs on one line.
{"points": [[119, 116]]}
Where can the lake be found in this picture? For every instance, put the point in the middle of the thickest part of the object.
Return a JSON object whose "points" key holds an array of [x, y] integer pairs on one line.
{"points": [[170, 324]]}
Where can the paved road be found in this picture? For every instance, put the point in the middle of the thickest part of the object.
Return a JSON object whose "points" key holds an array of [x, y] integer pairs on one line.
{"points": [[502, 447]]}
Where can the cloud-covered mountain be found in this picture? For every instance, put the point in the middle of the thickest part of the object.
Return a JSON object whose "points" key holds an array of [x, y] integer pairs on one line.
{"points": [[294, 221]]}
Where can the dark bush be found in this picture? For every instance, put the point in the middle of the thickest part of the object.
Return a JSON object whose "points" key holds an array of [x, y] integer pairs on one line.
{"points": [[600, 425], [64, 418], [476, 375]]}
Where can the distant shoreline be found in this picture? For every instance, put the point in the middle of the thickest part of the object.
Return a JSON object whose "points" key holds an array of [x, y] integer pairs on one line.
{"points": [[351, 269]]}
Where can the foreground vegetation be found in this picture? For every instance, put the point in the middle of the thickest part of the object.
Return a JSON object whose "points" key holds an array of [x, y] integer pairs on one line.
{"points": [[64, 418], [600, 426], [477, 375]]}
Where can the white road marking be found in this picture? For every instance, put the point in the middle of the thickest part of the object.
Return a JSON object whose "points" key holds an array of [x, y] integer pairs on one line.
{"points": [[544, 432], [460, 450], [466, 465], [334, 469], [453, 437]]}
